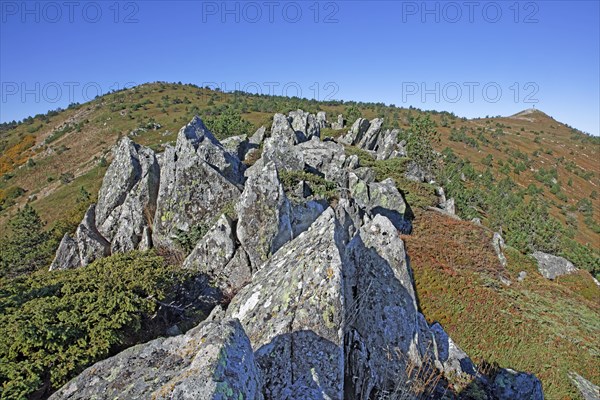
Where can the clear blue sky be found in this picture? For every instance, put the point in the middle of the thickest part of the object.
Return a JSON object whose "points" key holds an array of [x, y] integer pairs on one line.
{"points": [[452, 56]]}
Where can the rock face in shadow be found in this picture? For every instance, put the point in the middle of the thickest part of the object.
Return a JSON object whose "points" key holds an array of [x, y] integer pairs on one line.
{"points": [[212, 361]]}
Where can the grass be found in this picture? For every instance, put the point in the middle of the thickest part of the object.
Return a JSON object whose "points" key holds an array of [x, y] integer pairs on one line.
{"points": [[548, 328]]}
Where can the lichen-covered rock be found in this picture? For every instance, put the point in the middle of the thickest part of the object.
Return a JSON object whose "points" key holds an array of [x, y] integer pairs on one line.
{"points": [[552, 266], [284, 155], [283, 132], [264, 223], [304, 214], [511, 385], [198, 178], [236, 145], [214, 250], [67, 255], [326, 158], [92, 245], [293, 311], [380, 198], [210, 362]]}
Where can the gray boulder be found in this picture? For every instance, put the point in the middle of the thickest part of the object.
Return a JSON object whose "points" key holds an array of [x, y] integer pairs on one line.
{"points": [[210, 362], [511, 385], [237, 146], [263, 210], [357, 131], [553, 266], [449, 358], [67, 255], [371, 136], [304, 214]]}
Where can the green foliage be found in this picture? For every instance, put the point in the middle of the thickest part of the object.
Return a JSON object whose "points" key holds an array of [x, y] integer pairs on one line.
{"points": [[27, 247], [352, 114], [187, 240], [54, 324], [421, 137], [320, 187], [228, 123]]}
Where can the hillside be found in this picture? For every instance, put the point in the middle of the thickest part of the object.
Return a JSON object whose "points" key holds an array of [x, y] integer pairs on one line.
{"points": [[515, 174]]}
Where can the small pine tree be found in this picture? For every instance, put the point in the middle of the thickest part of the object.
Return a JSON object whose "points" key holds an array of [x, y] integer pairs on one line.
{"points": [[421, 136]]}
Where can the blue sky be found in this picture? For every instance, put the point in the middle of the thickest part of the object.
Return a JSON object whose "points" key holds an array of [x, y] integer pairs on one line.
{"points": [[472, 58]]}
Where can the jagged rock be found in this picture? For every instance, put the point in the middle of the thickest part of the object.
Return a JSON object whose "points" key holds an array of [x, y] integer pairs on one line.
{"points": [[322, 119], [382, 328], [449, 357], [305, 124], [339, 124], [387, 145], [352, 162], [371, 136], [283, 133], [588, 390], [258, 137], [127, 198], [552, 266], [522, 276], [357, 131], [303, 215], [213, 252], [193, 190], [263, 210], [67, 255], [285, 156], [212, 361], [476, 221], [324, 158], [237, 145], [292, 312], [511, 385], [92, 245], [381, 198]]}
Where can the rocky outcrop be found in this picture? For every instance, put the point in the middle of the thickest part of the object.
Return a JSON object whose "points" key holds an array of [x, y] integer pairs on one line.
{"points": [[212, 361], [368, 135], [324, 158], [322, 119], [553, 266], [498, 245], [263, 210], [91, 243], [127, 198], [305, 124], [198, 178]]}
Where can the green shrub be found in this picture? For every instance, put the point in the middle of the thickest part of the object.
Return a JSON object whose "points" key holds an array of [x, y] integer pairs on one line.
{"points": [[54, 324]]}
